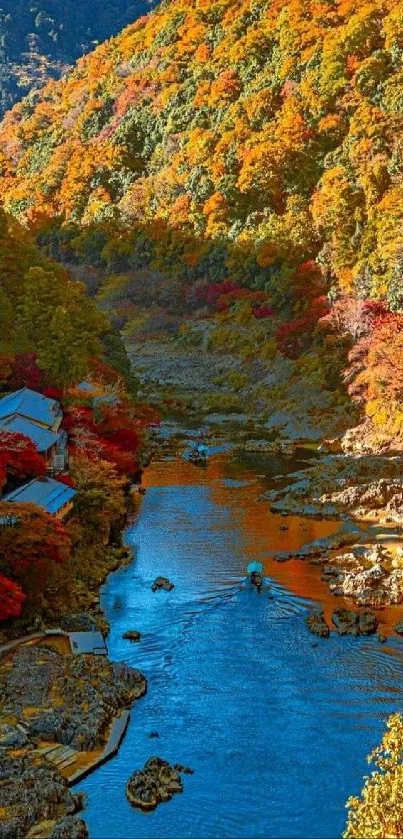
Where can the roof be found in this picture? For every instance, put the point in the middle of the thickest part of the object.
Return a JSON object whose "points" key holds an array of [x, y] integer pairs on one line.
{"points": [[87, 642], [47, 493], [30, 404], [41, 437], [86, 386]]}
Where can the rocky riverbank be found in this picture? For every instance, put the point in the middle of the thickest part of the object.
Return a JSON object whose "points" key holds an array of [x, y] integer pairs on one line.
{"points": [[50, 698], [58, 707], [220, 388], [364, 559]]}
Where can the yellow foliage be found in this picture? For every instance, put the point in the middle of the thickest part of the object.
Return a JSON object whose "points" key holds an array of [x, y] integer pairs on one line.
{"points": [[378, 812]]}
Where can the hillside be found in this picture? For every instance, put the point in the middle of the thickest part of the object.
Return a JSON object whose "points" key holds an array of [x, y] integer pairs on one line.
{"points": [[51, 333], [40, 40], [232, 145]]}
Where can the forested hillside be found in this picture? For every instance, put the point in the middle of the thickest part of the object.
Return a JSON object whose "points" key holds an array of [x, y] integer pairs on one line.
{"points": [[40, 40], [51, 333], [252, 153]]}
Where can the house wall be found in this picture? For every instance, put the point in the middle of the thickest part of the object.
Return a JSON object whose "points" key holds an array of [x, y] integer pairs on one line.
{"points": [[64, 511]]}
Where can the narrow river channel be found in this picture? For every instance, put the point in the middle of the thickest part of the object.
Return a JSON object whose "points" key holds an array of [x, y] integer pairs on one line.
{"points": [[275, 723]]}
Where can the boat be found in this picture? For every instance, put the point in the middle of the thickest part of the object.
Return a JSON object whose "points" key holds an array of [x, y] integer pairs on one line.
{"points": [[198, 454], [255, 575]]}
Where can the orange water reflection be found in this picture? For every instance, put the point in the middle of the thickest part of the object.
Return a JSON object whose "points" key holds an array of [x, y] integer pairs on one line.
{"points": [[239, 486]]}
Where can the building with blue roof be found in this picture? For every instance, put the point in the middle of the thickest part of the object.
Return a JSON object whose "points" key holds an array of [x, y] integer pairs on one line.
{"points": [[33, 406], [53, 496], [43, 439], [37, 417]]}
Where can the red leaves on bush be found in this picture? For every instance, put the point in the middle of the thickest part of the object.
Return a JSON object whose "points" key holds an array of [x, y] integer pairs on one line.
{"points": [[211, 293], [263, 312], [11, 598], [19, 457], [53, 393], [295, 337], [114, 436], [26, 373], [29, 539]]}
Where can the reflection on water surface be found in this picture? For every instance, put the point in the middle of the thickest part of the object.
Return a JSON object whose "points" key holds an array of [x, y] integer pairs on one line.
{"points": [[275, 724]]}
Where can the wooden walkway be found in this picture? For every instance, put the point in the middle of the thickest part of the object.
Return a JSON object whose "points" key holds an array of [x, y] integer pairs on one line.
{"points": [[65, 758], [61, 756]]}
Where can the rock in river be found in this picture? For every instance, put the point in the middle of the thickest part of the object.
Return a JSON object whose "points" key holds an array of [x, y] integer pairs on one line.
{"points": [[316, 623], [348, 622], [185, 770], [157, 782], [131, 635], [162, 583]]}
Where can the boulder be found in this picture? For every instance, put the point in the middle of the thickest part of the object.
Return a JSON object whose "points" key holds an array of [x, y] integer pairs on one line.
{"points": [[348, 622], [157, 782], [69, 827], [399, 627], [368, 622], [12, 737], [185, 770], [163, 584], [80, 622], [331, 446], [132, 635], [317, 625]]}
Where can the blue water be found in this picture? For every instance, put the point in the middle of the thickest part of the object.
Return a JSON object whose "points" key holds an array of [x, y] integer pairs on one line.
{"points": [[275, 725]]}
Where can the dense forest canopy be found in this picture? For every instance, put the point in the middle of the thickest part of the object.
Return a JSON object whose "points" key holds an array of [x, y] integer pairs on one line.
{"points": [[274, 126], [39, 40], [252, 143]]}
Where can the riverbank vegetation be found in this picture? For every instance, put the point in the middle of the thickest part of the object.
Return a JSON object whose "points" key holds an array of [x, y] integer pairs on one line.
{"points": [[378, 812], [55, 341], [224, 179]]}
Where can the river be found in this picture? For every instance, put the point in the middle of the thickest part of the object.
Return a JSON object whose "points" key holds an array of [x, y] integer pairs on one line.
{"points": [[275, 723]]}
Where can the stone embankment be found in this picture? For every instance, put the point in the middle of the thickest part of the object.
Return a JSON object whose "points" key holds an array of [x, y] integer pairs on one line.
{"points": [[51, 698]]}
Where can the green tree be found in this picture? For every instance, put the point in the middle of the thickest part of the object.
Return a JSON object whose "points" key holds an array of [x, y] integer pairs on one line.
{"points": [[56, 317]]}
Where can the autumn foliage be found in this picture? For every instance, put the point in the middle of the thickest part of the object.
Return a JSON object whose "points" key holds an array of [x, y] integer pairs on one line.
{"points": [[19, 458], [232, 149], [11, 598]]}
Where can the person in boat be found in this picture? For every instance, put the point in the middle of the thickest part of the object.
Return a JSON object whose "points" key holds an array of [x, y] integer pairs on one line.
{"points": [[256, 580], [199, 450], [255, 575]]}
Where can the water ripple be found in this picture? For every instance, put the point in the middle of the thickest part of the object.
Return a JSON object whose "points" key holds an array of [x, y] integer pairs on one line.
{"points": [[275, 723]]}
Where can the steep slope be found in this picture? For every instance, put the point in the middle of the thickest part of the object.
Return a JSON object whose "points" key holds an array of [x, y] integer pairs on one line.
{"points": [[51, 332], [253, 143], [39, 40], [277, 126]]}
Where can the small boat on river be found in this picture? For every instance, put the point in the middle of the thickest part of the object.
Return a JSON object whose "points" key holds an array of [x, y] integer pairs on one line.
{"points": [[255, 575], [198, 454]]}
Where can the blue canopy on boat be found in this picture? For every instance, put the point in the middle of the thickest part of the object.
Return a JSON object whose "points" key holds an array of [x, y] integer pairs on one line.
{"points": [[254, 566]]}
